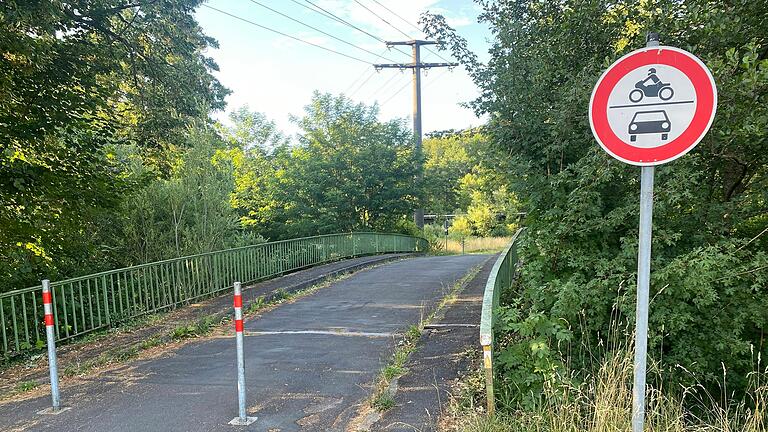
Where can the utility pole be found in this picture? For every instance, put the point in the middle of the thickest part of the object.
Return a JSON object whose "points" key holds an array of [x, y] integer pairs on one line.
{"points": [[416, 66]]}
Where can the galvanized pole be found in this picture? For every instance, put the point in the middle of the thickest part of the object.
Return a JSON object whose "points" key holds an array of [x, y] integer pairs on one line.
{"points": [[51, 342], [643, 283], [242, 419]]}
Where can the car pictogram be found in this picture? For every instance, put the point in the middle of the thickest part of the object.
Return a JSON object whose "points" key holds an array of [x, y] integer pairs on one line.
{"points": [[649, 122]]}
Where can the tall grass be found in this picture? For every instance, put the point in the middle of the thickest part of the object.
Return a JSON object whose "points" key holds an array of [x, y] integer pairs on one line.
{"points": [[475, 244], [603, 403]]}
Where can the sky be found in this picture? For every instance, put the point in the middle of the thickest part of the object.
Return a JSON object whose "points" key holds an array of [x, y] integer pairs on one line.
{"points": [[277, 75]]}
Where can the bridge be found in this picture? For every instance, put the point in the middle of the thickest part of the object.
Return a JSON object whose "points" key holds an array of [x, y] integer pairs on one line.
{"points": [[327, 321]]}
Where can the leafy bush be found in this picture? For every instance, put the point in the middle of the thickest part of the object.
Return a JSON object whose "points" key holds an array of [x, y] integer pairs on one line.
{"points": [[709, 272], [528, 354]]}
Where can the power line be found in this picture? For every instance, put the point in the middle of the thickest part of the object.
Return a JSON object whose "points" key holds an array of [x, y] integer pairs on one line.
{"points": [[325, 14], [396, 28], [318, 30], [363, 83], [396, 93], [286, 35], [379, 17], [382, 86], [443, 73], [353, 83], [401, 18], [328, 14]]}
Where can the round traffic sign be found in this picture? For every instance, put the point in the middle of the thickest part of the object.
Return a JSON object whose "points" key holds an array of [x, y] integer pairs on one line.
{"points": [[653, 105]]}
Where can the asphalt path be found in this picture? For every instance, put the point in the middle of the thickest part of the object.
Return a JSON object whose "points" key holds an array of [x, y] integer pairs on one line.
{"points": [[309, 363]]}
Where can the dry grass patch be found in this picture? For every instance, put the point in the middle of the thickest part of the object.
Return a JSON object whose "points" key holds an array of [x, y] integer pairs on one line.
{"points": [[603, 403]]}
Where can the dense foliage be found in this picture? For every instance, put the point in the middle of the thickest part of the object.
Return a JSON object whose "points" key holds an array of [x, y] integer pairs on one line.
{"points": [[77, 79], [109, 157], [709, 305], [466, 177], [348, 172]]}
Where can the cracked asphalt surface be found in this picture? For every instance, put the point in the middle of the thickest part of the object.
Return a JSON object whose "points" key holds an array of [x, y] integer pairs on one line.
{"points": [[309, 363]]}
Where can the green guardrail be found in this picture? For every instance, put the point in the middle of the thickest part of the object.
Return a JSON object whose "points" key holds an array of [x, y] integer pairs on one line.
{"points": [[499, 279], [97, 301]]}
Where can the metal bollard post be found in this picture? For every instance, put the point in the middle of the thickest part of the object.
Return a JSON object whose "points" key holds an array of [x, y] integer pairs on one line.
{"points": [[51, 342], [242, 419]]}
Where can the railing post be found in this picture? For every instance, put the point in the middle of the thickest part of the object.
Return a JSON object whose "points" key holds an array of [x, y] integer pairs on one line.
{"points": [[242, 418], [488, 366], [51, 342], [325, 249]]}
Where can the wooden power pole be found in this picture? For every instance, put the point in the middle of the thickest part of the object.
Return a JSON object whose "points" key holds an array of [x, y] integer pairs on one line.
{"points": [[416, 66]]}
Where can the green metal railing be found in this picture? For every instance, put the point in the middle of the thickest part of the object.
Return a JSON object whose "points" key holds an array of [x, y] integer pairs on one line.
{"points": [[499, 279], [87, 303]]}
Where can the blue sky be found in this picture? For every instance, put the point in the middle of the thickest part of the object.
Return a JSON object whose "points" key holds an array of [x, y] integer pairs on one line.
{"points": [[276, 75]]}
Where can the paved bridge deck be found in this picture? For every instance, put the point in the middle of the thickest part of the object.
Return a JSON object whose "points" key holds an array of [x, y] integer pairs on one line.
{"points": [[309, 364]]}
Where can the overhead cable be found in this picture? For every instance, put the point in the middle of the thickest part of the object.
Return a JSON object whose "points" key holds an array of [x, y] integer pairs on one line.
{"points": [[382, 86], [396, 93], [397, 28], [286, 34], [363, 83], [331, 15], [318, 30]]}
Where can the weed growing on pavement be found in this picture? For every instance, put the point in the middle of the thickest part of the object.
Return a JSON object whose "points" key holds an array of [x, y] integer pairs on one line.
{"points": [[26, 386], [382, 398]]}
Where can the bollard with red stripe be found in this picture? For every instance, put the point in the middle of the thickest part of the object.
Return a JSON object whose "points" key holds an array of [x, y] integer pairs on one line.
{"points": [[242, 419], [51, 341]]}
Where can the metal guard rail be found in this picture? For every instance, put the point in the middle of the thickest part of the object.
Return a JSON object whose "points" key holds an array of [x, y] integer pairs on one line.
{"points": [[499, 279], [97, 301]]}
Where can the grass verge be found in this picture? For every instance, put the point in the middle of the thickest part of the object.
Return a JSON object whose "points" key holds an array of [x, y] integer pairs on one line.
{"points": [[603, 403]]}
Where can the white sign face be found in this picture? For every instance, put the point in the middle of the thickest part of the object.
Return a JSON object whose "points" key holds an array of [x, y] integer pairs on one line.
{"points": [[653, 105]]}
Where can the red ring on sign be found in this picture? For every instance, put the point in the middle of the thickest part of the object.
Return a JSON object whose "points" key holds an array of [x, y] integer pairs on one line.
{"points": [[705, 105]]}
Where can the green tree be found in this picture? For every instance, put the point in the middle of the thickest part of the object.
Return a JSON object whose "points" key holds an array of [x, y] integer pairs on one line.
{"points": [[76, 78], [466, 174], [710, 249], [448, 157], [255, 144], [188, 213], [349, 171]]}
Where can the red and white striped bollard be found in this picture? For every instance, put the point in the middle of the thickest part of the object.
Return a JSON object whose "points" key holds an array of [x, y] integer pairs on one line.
{"points": [[51, 343], [242, 419]]}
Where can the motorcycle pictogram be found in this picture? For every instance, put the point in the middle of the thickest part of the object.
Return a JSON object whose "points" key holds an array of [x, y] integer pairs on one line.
{"points": [[651, 86]]}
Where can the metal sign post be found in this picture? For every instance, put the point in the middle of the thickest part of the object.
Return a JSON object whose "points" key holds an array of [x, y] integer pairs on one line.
{"points": [[643, 285], [650, 107], [641, 310]]}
